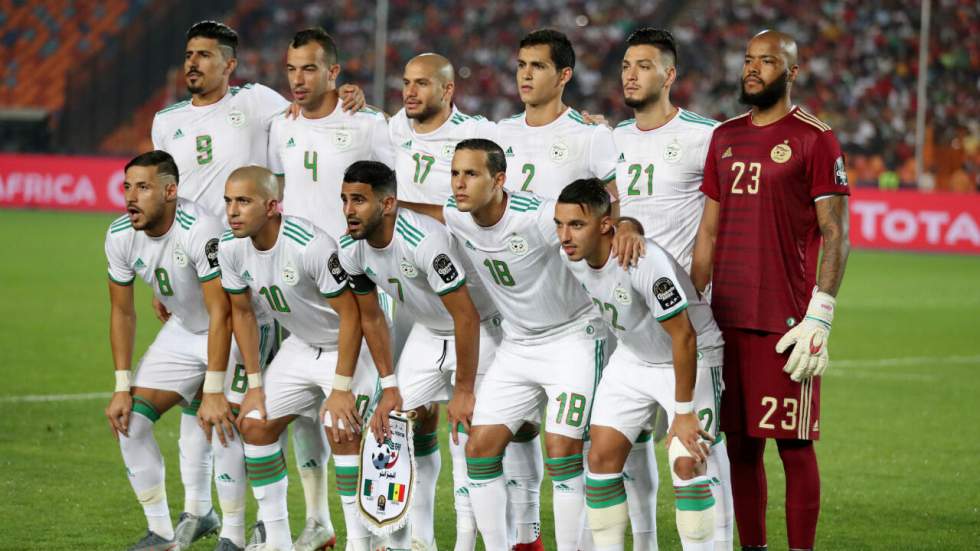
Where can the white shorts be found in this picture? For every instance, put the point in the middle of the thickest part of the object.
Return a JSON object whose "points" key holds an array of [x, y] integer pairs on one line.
{"points": [[630, 390], [301, 376], [177, 359], [427, 368], [561, 375]]}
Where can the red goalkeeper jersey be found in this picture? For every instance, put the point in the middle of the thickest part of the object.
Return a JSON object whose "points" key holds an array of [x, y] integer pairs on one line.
{"points": [[766, 180]]}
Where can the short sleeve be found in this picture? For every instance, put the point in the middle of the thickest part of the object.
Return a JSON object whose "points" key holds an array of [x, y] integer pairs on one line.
{"points": [[273, 157], [709, 182], [322, 262], [231, 279], [545, 221], [602, 154], [157, 134], [268, 104], [203, 248], [825, 167], [381, 145], [657, 280], [119, 269], [438, 258], [350, 261]]}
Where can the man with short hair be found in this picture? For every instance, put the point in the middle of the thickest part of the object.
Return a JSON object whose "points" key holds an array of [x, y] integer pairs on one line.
{"points": [[172, 244], [457, 329], [669, 354], [294, 266], [776, 211]]}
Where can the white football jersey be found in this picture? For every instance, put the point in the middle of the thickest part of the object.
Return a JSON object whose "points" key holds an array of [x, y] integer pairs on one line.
{"points": [[295, 277], [423, 162], [313, 154], [209, 142], [174, 264], [422, 263], [659, 175], [545, 159], [517, 262], [633, 303]]}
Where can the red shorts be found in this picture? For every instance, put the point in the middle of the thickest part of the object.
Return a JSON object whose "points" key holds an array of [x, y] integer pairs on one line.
{"points": [[759, 398]]}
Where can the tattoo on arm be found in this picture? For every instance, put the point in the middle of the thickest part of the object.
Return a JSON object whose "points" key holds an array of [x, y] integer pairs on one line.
{"points": [[832, 217]]}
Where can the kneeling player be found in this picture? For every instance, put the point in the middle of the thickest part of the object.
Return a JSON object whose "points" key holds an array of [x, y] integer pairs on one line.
{"points": [[670, 354], [295, 267], [172, 244]]}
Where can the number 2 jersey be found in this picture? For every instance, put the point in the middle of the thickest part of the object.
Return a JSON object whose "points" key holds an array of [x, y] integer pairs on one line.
{"points": [[634, 302], [658, 176], [766, 180], [517, 261], [174, 264], [295, 277], [545, 159], [422, 263], [208, 142]]}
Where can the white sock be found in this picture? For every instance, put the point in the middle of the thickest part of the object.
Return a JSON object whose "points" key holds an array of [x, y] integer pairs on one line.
{"points": [[266, 468], [524, 471], [465, 521], [428, 463], [585, 542], [195, 463], [606, 510], [346, 467], [568, 482], [642, 482], [721, 487], [312, 454], [488, 494], [144, 464], [231, 482]]}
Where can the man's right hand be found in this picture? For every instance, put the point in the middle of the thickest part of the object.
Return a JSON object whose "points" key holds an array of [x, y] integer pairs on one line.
{"points": [[254, 400], [118, 412], [391, 400], [215, 412], [344, 419], [160, 310]]}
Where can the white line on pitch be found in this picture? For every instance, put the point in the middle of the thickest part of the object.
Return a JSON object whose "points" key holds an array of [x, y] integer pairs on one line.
{"points": [[55, 397]]}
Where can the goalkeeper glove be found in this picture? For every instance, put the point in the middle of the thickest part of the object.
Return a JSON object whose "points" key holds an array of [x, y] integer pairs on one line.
{"points": [[809, 339]]}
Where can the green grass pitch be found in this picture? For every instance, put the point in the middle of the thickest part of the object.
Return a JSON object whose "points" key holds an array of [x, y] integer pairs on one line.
{"points": [[900, 460]]}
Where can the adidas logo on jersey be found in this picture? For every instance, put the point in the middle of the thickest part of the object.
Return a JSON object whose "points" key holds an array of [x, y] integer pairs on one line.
{"points": [[622, 158], [139, 264], [178, 134], [407, 145], [246, 276], [291, 143], [369, 271], [727, 153], [509, 152]]}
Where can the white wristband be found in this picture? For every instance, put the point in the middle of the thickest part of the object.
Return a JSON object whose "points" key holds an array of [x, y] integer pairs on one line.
{"points": [[341, 383], [214, 382], [388, 382], [683, 408], [123, 378], [254, 380]]}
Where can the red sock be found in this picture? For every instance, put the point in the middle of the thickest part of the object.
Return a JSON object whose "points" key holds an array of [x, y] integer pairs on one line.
{"points": [[802, 491], [748, 486]]}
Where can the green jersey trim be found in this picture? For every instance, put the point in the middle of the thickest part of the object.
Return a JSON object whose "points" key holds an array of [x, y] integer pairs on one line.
{"points": [[335, 294], [235, 291], [209, 277], [123, 283], [666, 317], [445, 292]]}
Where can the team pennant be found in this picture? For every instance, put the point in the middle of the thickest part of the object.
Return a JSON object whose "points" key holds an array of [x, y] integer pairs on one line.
{"points": [[387, 476]]}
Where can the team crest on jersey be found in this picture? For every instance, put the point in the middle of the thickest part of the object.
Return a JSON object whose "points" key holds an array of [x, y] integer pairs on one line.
{"points": [[622, 296], [180, 257], [448, 150], [236, 118], [840, 173], [407, 269], [781, 153], [518, 245], [673, 152], [559, 151], [289, 275], [343, 139]]}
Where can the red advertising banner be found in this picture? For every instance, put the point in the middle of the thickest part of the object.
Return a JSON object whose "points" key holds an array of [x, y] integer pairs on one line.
{"points": [[911, 220], [60, 182]]}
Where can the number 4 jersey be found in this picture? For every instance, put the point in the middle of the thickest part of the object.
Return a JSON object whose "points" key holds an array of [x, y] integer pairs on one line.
{"points": [[174, 264]]}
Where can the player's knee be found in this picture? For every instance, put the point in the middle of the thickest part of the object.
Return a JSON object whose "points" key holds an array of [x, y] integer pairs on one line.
{"points": [[603, 461], [254, 431], [685, 468]]}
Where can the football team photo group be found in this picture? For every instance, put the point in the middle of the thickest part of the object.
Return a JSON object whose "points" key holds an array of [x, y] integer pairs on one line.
{"points": [[564, 292]]}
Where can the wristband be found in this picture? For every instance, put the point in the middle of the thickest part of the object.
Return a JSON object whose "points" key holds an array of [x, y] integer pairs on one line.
{"points": [[254, 380], [214, 382], [123, 377], [388, 382], [341, 383], [683, 408]]}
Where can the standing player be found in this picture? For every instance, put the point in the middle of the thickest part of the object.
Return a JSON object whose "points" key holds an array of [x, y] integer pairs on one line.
{"points": [[312, 151], [776, 187], [294, 266], [661, 155], [669, 341], [172, 244], [457, 330]]}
